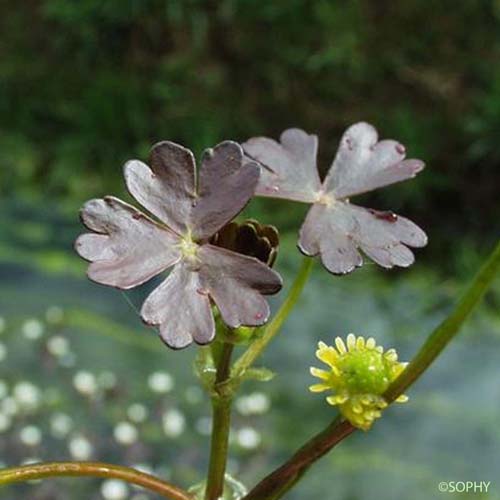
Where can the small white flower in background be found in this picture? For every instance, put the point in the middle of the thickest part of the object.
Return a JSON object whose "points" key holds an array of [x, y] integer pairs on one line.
{"points": [[204, 426], [3, 351], [248, 438], [3, 324], [137, 412], [4, 389], [161, 382], [32, 329], [9, 406], [114, 489], [27, 395], [106, 380], [58, 346], [125, 433], [85, 382], [5, 422], [80, 448], [173, 422], [60, 425], [30, 435], [194, 395], [255, 403], [54, 314]]}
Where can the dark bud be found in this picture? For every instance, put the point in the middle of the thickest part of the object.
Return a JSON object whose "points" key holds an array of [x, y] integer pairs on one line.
{"points": [[249, 238]]}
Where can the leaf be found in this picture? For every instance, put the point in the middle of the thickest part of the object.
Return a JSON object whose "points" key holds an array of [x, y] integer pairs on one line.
{"points": [[259, 374]]}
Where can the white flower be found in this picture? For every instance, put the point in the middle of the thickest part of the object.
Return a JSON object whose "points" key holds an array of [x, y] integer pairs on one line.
{"points": [[125, 433], [161, 382], [27, 395], [60, 425], [32, 329], [137, 412], [255, 403], [80, 448], [30, 435], [85, 382], [58, 346], [114, 489], [248, 438], [173, 422]]}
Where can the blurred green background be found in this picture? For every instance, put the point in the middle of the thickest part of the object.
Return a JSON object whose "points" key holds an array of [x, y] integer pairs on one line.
{"points": [[86, 85]]}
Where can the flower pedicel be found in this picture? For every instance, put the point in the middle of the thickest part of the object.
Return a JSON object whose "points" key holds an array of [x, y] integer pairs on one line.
{"points": [[334, 228], [127, 248]]}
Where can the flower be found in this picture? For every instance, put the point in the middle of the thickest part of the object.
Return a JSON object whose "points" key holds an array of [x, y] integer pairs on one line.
{"points": [[127, 247], [334, 228], [359, 374]]}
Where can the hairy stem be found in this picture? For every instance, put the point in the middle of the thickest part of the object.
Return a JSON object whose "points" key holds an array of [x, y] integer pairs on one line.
{"points": [[93, 469], [221, 404], [276, 484], [260, 343]]}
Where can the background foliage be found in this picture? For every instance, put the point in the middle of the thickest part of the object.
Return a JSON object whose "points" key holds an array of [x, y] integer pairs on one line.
{"points": [[86, 85]]}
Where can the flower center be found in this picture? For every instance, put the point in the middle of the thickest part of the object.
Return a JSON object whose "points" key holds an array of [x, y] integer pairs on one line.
{"points": [[325, 199], [188, 248]]}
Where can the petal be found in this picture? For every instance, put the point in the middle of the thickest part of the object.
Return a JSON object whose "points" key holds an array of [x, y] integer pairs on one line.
{"points": [[225, 187], [362, 164], [181, 308], [289, 168], [236, 283], [338, 231], [129, 248], [321, 235], [167, 189]]}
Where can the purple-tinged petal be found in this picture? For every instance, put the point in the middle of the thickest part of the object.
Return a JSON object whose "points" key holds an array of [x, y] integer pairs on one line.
{"points": [[322, 234], [362, 164], [288, 168], [181, 308], [336, 232], [129, 248], [236, 283], [167, 189], [225, 186]]}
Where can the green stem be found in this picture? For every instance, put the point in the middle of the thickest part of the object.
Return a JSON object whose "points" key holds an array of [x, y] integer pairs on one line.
{"points": [[276, 484], [260, 343], [445, 332], [221, 405], [94, 469]]}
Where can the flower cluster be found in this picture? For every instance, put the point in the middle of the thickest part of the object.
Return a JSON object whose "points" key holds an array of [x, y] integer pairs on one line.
{"points": [[216, 261], [358, 375]]}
